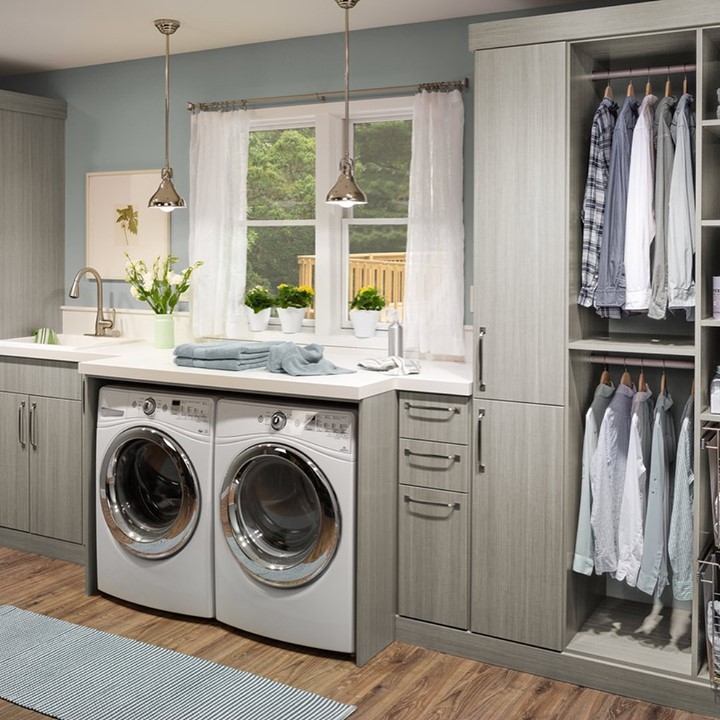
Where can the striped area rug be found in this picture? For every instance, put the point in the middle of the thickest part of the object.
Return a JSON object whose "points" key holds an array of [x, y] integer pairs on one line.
{"points": [[73, 672]]}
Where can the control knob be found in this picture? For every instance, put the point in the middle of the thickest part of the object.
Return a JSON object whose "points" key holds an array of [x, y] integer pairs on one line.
{"points": [[149, 406], [278, 420]]}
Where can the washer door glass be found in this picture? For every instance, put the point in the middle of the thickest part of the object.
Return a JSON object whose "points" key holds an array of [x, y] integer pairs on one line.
{"points": [[280, 515], [149, 493]]}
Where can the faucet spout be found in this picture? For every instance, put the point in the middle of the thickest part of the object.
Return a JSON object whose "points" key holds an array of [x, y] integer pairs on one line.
{"points": [[102, 324]]}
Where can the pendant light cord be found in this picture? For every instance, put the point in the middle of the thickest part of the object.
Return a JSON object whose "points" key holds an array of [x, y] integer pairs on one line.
{"points": [[347, 83], [167, 100]]}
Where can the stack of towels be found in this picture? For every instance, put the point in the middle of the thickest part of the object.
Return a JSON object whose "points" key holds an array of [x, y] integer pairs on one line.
{"points": [[277, 357]]}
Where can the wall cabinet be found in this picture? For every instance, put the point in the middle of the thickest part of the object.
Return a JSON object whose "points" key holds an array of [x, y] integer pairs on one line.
{"points": [[433, 508], [41, 478]]}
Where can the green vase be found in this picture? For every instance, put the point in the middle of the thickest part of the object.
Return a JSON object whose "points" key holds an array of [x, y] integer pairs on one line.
{"points": [[164, 331]]}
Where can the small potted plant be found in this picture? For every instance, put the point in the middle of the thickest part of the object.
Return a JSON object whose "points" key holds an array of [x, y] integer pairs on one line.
{"points": [[259, 303], [292, 303], [365, 310]]}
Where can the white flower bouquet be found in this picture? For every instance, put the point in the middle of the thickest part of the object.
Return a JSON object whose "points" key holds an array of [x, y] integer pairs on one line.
{"points": [[159, 286]]}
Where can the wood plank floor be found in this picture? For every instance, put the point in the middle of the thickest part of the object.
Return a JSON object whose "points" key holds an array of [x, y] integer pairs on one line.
{"points": [[402, 683]]}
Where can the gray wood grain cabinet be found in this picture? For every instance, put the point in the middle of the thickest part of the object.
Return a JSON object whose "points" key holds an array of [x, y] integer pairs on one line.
{"points": [[41, 503], [32, 207], [433, 508]]}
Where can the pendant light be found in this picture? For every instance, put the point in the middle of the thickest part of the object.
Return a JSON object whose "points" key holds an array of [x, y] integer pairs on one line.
{"points": [[346, 192], [167, 198]]}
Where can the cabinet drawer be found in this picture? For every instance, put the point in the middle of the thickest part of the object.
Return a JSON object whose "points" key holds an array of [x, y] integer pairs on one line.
{"points": [[433, 556], [40, 377], [434, 465], [443, 418]]}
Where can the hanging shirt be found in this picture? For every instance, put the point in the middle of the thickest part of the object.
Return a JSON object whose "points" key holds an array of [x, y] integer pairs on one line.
{"points": [[653, 575], [640, 216], [632, 508], [664, 158], [607, 478], [593, 210], [681, 209], [680, 539], [584, 544], [610, 294]]}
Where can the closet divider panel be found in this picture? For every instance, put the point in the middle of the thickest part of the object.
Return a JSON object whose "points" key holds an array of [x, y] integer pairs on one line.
{"points": [[520, 220]]}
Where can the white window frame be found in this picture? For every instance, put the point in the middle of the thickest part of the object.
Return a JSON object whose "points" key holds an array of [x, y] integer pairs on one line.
{"points": [[331, 223]]}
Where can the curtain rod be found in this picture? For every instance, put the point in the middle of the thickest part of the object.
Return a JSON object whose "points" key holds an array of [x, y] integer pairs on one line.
{"points": [[641, 72], [642, 362], [322, 97]]}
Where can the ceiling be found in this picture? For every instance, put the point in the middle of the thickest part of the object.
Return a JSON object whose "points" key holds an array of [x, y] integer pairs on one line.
{"points": [[55, 34]]}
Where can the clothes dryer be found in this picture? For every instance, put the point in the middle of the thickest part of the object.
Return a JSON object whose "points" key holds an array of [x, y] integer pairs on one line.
{"points": [[154, 519], [285, 522]]}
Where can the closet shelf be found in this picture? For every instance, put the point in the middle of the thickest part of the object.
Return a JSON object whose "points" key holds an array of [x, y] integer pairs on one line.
{"points": [[710, 322], [707, 416], [680, 347], [713, 126]]}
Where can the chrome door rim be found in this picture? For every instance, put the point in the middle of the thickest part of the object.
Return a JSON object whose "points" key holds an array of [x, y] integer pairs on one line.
{"points": [[245, 549], [124, 528]]}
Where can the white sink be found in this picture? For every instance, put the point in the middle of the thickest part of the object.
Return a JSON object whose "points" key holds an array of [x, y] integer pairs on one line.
{"points": [[71, 342]]}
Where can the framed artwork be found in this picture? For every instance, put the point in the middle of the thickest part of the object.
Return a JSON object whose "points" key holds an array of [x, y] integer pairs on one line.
{"points": [[119, 221]]}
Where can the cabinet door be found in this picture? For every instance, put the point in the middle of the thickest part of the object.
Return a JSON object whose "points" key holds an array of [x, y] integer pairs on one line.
{"points": [[14, 489], [517, 559], [519, 287], [432, 556], [56, 469]]}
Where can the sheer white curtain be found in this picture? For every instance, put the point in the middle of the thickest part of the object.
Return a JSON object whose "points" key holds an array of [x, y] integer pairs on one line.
{"points": [[434, 285], [218, 220]]}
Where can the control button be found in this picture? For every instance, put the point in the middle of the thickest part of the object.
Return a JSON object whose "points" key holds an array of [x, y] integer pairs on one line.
{"points": [[148, 406], [165, 407], [278, 420], [260, 418]]}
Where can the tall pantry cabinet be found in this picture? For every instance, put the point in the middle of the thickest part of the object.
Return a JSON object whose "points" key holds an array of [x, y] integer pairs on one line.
{"points": [[538, 82]]}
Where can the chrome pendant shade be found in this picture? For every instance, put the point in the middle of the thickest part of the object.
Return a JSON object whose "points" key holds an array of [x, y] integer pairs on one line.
{"points": [[167, 197], [346, 192]]}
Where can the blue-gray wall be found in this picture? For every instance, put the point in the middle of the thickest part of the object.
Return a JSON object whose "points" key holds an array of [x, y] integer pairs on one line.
{"points": [[115, 111]]}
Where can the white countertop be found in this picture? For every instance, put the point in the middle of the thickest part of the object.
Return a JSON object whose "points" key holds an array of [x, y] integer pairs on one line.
{"points": [[139, 361]]}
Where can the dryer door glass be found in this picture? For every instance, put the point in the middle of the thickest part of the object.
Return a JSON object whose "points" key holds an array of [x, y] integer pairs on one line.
{"points": [[280, 515], [149, 493]]}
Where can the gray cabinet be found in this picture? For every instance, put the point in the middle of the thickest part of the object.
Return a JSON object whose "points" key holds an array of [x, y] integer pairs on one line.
{"points": [[518, 572], [433, 508], [41, 445], [520, 296], [517, 559], [32, 203]]}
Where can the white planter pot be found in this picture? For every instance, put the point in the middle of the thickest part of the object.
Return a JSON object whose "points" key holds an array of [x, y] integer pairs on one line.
{"points": [[364, 322], [291, 319], [258, 321]]}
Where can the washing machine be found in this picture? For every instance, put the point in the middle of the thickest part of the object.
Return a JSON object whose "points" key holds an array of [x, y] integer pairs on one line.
{"points": [[154, 519], [285, 521]]}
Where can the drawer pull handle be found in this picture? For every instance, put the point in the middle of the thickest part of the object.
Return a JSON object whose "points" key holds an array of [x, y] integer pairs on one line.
{"points": [[453, 458], [21, 425], [480, 466], [411, 406], [481, 339], [452, 506], [33, 433]]}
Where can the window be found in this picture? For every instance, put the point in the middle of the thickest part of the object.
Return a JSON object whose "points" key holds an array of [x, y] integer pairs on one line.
{"points": [[295, 237]]}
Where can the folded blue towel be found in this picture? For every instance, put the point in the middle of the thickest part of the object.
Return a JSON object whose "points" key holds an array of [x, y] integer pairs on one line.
{"points": [[221, 363], [295, 360], [228, 349]]}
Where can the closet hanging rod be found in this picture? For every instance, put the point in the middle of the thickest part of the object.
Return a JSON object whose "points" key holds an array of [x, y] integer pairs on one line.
{"points": [[642, 362], [641, 72], [444, 86]]}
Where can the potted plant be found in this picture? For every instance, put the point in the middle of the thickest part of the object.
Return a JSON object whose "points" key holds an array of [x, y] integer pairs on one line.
{"points": [[161, 288], [259, 303], [365, 310], [292, 303]]}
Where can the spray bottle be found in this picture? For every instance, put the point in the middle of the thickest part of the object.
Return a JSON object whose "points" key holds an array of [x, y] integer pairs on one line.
{"points": [[395, 335]]}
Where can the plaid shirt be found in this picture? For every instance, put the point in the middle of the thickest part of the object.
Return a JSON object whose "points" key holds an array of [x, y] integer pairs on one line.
{"points": [[593, 211]]}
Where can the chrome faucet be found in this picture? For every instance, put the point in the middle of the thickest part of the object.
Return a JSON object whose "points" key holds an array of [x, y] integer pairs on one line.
{"points": [[102, 324]]}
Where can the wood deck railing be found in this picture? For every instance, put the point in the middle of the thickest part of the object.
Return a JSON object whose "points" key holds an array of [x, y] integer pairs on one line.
{"points": [[384, 271]]}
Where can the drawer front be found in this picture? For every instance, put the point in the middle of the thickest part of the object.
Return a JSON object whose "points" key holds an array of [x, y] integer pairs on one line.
{"points": [[434, 465], [40, 377], [443, 418], [433, 556]]}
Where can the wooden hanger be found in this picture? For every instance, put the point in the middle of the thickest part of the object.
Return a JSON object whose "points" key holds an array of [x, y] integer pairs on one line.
{"points": [[641, 381], [630, 90], [648, 86], [685, 84], [626, 379], [609, 91], [605, 376], [663, 386], [668, 87]]}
